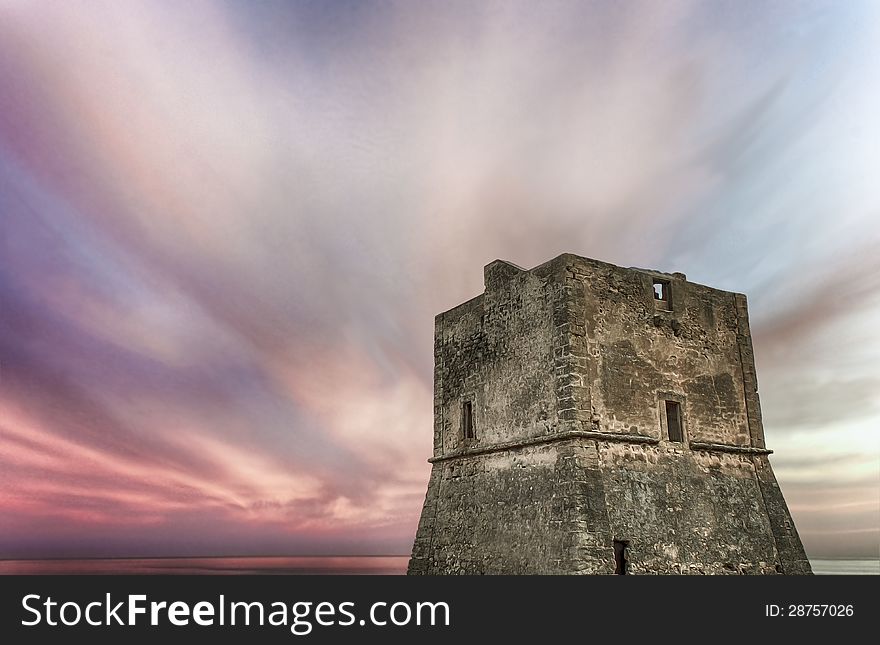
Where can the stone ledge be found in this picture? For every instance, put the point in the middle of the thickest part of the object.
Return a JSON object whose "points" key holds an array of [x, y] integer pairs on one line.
{"points": [[723, 447], [601, 436], [549, 438]]}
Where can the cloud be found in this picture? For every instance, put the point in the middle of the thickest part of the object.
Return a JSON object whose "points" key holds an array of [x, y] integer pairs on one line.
{"points": [[226, 231]]}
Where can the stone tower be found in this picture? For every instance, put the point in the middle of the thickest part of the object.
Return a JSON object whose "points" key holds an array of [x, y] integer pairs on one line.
{"points": [[594, 419]]}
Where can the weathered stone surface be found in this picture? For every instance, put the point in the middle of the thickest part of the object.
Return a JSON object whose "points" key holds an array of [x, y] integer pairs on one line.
{"points": [[567, 368]]}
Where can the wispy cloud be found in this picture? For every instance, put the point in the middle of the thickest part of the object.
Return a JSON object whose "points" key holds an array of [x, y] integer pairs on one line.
{"points": [[226, 228]]}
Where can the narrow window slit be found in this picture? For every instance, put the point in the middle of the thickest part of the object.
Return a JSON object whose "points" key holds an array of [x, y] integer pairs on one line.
{"points": [[467, 420], [673, 421]]}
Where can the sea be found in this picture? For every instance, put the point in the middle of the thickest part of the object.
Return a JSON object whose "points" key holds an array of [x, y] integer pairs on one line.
{"points": [[297, 565]]}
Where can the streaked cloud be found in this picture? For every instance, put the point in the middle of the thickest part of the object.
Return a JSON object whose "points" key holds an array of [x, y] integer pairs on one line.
{"points": [[226, 229]]}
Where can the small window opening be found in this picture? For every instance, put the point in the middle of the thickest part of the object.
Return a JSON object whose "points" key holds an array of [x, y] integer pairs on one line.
{"points": [[620, 562], [662, 292], [673, 421], [467, 420]]}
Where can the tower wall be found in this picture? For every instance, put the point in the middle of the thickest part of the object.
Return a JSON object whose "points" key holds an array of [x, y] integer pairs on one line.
{"points": [[565, 371], [494, 351], [638, 353], [509, 513]]}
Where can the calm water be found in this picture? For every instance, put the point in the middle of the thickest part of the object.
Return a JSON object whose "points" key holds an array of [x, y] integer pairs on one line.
{"points": [[845, 567], [373, 565], [370, 565]]}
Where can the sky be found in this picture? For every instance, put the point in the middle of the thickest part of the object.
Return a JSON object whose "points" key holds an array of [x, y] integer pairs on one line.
{"points": [[225, 228]]}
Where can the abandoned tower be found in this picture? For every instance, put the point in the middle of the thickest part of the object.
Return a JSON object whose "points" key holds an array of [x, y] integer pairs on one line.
{"points": [[594, 419]]}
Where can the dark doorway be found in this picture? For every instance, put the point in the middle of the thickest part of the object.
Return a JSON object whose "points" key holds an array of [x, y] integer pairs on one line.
{"points": [[620, 557]]}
